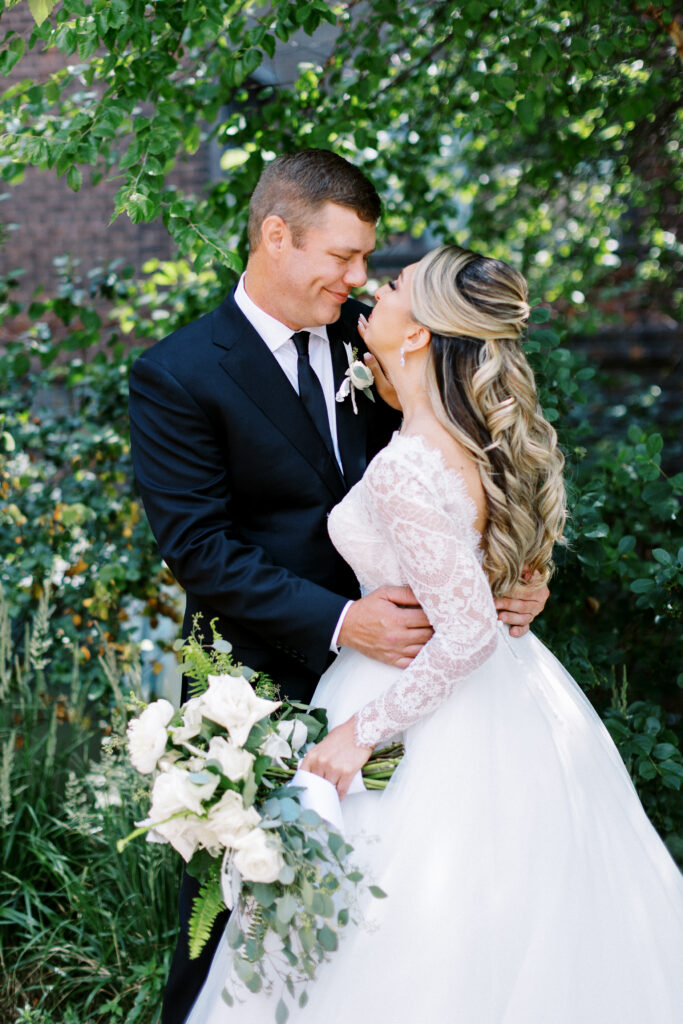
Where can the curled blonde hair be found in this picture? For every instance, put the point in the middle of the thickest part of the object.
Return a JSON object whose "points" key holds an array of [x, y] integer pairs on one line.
{"points": [[483, 392]]}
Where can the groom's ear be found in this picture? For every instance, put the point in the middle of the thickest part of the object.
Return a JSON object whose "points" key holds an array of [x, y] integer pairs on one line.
{"points": [[275, 235]]}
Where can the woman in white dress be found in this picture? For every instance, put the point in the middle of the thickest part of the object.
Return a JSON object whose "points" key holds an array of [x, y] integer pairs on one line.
{"points": [[525, 883]]}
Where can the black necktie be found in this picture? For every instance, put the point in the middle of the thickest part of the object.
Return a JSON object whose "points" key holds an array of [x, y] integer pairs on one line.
{"points": [[311, 392]]}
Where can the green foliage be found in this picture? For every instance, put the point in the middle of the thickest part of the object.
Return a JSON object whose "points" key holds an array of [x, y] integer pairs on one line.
{"points": [[206, 908], [547, 135], [78, 942], [201, 659], [536, 132]]}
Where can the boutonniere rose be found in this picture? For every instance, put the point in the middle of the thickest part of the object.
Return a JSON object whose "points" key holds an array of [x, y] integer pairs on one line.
{"points": [[358, 377]]}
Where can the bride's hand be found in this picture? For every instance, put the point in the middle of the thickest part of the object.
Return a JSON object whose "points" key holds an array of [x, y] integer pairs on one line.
{"points": [[338, 757], [385, 389]]}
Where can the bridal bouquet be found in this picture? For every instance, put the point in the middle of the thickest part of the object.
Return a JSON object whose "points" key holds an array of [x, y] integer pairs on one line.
{"points": [[221, 771]]}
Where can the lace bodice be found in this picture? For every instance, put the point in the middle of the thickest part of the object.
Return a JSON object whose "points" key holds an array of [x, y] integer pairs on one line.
{"points": [[410, 521]]}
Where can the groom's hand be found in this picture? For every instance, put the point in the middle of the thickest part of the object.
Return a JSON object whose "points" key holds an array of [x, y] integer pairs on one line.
{"points": [[388, 625], [522, 605]]}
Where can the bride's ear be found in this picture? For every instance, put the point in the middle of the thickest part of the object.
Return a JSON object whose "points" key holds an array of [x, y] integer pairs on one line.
{"points": [[417, 337]]}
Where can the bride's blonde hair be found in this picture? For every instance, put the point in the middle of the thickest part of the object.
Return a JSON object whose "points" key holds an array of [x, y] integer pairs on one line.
{"points": [[483, 392]]}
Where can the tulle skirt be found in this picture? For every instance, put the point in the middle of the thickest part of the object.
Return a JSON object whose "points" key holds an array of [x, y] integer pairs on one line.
{"points": [[525, 884]]}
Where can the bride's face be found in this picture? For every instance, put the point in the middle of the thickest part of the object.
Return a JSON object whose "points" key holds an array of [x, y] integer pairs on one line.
{"points": [[391, 320]]}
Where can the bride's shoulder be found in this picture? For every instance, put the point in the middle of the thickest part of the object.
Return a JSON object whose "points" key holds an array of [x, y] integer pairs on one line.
{"points": [[430, 463]]}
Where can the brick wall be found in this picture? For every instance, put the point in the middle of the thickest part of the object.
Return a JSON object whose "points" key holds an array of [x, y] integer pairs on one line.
{"points": [[47, 219]]}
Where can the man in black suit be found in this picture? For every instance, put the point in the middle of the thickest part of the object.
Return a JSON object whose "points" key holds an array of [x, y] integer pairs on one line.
{"points": [[240, 452]]}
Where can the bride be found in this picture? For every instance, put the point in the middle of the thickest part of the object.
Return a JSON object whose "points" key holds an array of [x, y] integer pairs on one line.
{"points": [[525, 883]]}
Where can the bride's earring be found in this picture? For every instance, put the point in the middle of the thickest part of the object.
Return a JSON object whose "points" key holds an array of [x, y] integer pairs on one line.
{"points": [[403, 357]]}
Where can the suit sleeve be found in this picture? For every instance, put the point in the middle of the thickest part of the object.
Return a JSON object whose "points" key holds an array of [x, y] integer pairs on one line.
{"points": [[186, 492]]}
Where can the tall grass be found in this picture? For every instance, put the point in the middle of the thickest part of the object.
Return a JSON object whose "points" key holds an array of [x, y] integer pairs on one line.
{"points": [[85, 933]]}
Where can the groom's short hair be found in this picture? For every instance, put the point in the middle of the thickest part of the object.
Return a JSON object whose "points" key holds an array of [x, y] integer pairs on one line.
{"points": [[296, 185]]}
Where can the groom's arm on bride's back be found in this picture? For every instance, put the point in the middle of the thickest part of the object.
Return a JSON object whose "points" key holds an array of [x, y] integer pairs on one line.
{"points": [[188, 497]]}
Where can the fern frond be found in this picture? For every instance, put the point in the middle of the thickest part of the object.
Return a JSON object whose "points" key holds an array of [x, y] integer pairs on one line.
{"points": [[206, 907]]}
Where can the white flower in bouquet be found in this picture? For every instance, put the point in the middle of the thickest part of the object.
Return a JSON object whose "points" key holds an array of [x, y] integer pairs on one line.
{"points": [[176, 797], [192, 721], [232, 703], [174, 791], [147, 736], [294, 731], [184, 834], [256, 859], [276, 747], [229, 821], [234, 762]]}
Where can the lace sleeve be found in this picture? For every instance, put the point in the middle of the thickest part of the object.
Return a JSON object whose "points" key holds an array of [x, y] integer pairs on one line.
{"points": [[433, 545]]}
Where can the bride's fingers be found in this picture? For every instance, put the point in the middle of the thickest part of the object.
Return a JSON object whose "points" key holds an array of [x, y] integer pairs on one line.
{"points": [[362, 325]]}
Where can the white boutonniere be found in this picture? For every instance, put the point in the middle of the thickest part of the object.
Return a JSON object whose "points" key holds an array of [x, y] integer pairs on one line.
{"points": [[358, 377]]}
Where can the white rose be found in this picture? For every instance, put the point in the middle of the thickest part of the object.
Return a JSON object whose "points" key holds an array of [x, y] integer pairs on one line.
{"points": [[361, 375], [185, 835], [147, 736], [174, 793], [256, 859], [192, 721], [276, 747], [229, 820], [294, 731], [234, 762], [232, 703]]}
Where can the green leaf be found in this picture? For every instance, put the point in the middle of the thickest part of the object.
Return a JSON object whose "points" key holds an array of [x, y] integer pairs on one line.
{"points": [[626, 544], [662, 751], [327, 938], [646, 769], [662, 556], [263, 893], [642, 586], [74, 178], [596, 531], [287, 907], [281, 1012], [206, 907], [41, 9], [503, 85], [377, 892]]}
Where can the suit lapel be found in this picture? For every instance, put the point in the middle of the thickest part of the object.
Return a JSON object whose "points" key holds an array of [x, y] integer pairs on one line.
{"points": [[351, 427], [250, 363]]}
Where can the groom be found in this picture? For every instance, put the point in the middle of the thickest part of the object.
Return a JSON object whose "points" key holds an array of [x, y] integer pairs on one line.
{"points": [[240, 451]]}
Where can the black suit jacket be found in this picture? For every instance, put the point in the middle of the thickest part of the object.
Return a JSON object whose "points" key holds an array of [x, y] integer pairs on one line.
{"points": [[237, 485]]}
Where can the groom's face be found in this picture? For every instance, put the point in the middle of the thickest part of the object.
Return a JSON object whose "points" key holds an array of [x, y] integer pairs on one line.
{"points": [[317, 276]]}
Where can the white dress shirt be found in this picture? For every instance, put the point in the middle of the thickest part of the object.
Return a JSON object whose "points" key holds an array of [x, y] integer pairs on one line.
{"points": [[278, 338]]}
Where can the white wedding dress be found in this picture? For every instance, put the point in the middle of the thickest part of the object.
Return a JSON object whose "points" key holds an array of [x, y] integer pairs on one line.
{"points": [[525, 883]]}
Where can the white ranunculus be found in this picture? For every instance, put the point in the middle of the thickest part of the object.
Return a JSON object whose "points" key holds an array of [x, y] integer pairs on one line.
{"points": [[230, 821], [232, 703], [294, 731], [276, 747], [234, 762], [147, 736], [256, 859], [192, 721]]}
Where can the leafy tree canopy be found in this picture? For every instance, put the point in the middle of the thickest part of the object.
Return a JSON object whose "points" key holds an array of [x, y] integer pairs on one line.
{"points": [[546, 133]]}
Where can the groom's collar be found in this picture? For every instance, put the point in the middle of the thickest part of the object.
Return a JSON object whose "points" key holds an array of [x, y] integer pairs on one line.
{"points": [[273, 331]]}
